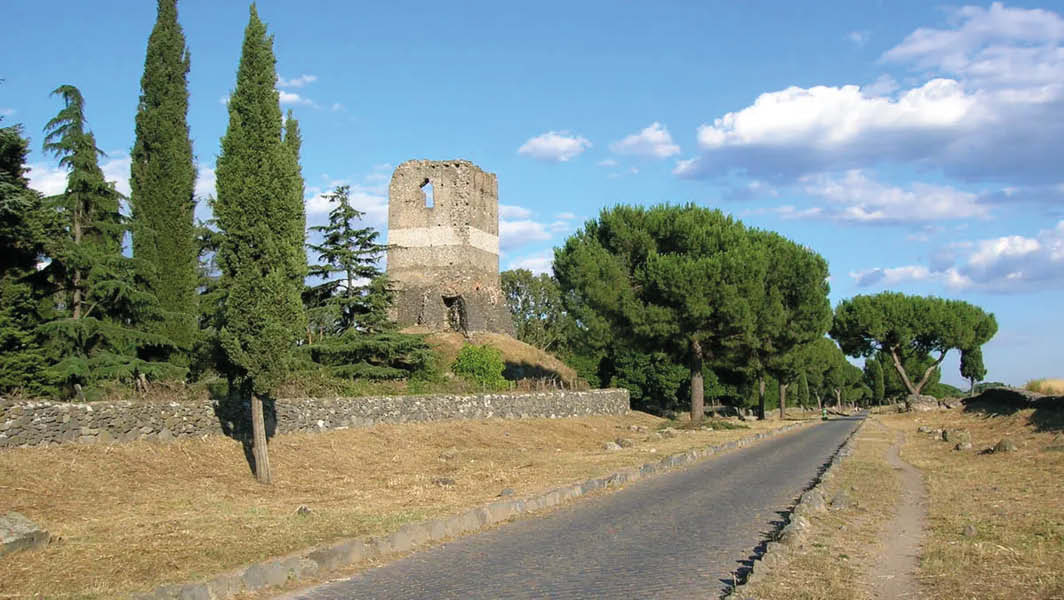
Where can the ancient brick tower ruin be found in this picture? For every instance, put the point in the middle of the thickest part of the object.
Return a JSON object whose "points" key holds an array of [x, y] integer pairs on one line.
{"points": [[443, 247]]}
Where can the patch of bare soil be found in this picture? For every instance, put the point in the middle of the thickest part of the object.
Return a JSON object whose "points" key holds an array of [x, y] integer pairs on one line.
{"points": [[894, 573]]}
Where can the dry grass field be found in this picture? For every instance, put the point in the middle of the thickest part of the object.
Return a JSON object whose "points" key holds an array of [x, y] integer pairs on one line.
{"points": [[1013, 500], [995, 527], [842, 544], [1052, 386], [129, 517]]}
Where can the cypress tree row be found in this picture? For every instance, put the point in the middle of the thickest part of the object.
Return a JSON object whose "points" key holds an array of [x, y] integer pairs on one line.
{"points": [[163, 177], [261, 220]]}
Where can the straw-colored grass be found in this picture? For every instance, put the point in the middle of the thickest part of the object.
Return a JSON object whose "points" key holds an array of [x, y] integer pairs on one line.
{"points": [[841, 544], [1014, 500], [1053, 386], [129, 517]]}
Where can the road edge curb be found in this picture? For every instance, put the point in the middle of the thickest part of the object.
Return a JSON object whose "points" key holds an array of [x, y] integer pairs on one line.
{"points": [[796, 525], [308, 562]]}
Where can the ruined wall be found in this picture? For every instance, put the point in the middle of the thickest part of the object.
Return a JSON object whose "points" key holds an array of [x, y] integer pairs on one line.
{"points": [[444, 257]]}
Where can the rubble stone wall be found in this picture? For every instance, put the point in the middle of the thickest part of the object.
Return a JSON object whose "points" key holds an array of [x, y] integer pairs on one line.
{"points": [[40, 423]]}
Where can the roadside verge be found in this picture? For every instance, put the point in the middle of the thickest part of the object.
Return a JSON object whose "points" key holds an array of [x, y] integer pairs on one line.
{"points": [[316, 562]]}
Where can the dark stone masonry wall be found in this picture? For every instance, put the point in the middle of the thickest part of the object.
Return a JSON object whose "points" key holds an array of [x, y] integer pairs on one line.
{"points": [[44, 423]]}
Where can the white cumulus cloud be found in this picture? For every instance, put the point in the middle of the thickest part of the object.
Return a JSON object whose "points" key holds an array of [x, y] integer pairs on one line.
{"points": [[554, 146], [296, 82], [1007, 264], [541, 262], [653, 141], [520, 232], [993, 81], [291, 98], [857, 198], [509, 211]]}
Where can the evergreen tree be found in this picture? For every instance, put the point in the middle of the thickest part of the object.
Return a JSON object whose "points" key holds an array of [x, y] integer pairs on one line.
{"points": [[352, 294], [682, 280], [972, 367], [875, 378], [535, 302], [803, 390], [349, 333], [101, 292], [162, 181], [261, 253], [24, 231], [896, 324]]}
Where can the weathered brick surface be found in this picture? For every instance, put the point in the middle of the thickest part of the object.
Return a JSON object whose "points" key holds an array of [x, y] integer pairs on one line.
{"points": [[44, 423]]}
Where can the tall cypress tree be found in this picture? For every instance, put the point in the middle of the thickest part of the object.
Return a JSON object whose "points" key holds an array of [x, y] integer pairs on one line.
{"points": [[261, 252], [162, 182]]}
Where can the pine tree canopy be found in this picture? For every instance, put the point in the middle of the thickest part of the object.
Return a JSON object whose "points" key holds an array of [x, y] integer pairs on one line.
{"points": [[162, 181], [903, 326], [260, 216]]}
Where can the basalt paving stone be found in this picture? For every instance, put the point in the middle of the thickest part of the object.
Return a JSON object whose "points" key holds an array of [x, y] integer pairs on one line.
{"points": [[680, 535]]}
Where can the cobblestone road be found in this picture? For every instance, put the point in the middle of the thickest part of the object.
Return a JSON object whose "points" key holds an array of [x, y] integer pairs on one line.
{"points": [[679, 535]]}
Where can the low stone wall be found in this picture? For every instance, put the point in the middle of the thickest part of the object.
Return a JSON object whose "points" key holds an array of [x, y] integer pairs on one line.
{"points": [[45, 423]]}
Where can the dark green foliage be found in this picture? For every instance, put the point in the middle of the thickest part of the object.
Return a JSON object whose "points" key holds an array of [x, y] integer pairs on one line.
{"points": [[793, 310], [989, 385], [874, 380], [944, 390], [897, 324], [354, 294], [684, 281], [535, 301], [893, 386], [260, 217], [385, 355], [24, 229], [162, 180], [349, 333], [802, 395], [654, 382], [482, 365], [972, 367], [100, 291]]}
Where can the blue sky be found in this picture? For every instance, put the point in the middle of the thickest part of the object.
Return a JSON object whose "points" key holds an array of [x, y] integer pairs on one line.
{"points": [[916, 146]]}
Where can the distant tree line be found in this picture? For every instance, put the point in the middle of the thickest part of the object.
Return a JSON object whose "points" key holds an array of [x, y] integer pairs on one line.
{"points": [[683, 305]]}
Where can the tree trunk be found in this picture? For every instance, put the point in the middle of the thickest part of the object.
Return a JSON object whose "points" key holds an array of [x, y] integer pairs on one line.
{"points": [[698, 405], [75, 300], [783, 401], [971, 389], [838, 399], [819, 403], [258, 442], [761, 398]]}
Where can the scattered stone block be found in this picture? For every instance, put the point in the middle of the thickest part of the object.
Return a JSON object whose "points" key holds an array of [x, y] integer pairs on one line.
{"points": [[17, 533], [611, 446], [625, 442], [1005, 445], [443, 481]]}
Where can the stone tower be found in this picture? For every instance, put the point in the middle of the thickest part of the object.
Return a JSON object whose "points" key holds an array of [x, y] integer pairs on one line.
{"points": [[443, 247]]}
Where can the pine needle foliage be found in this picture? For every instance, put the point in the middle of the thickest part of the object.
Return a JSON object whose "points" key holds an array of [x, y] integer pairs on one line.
{"points": [[349, 333], [351, 294], [163, 177], [261, 220], [100, 289], [24, 302]]}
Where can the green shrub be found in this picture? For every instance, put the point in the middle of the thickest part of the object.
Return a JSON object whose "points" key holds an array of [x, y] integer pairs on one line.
{"points": [[482, 365]]}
